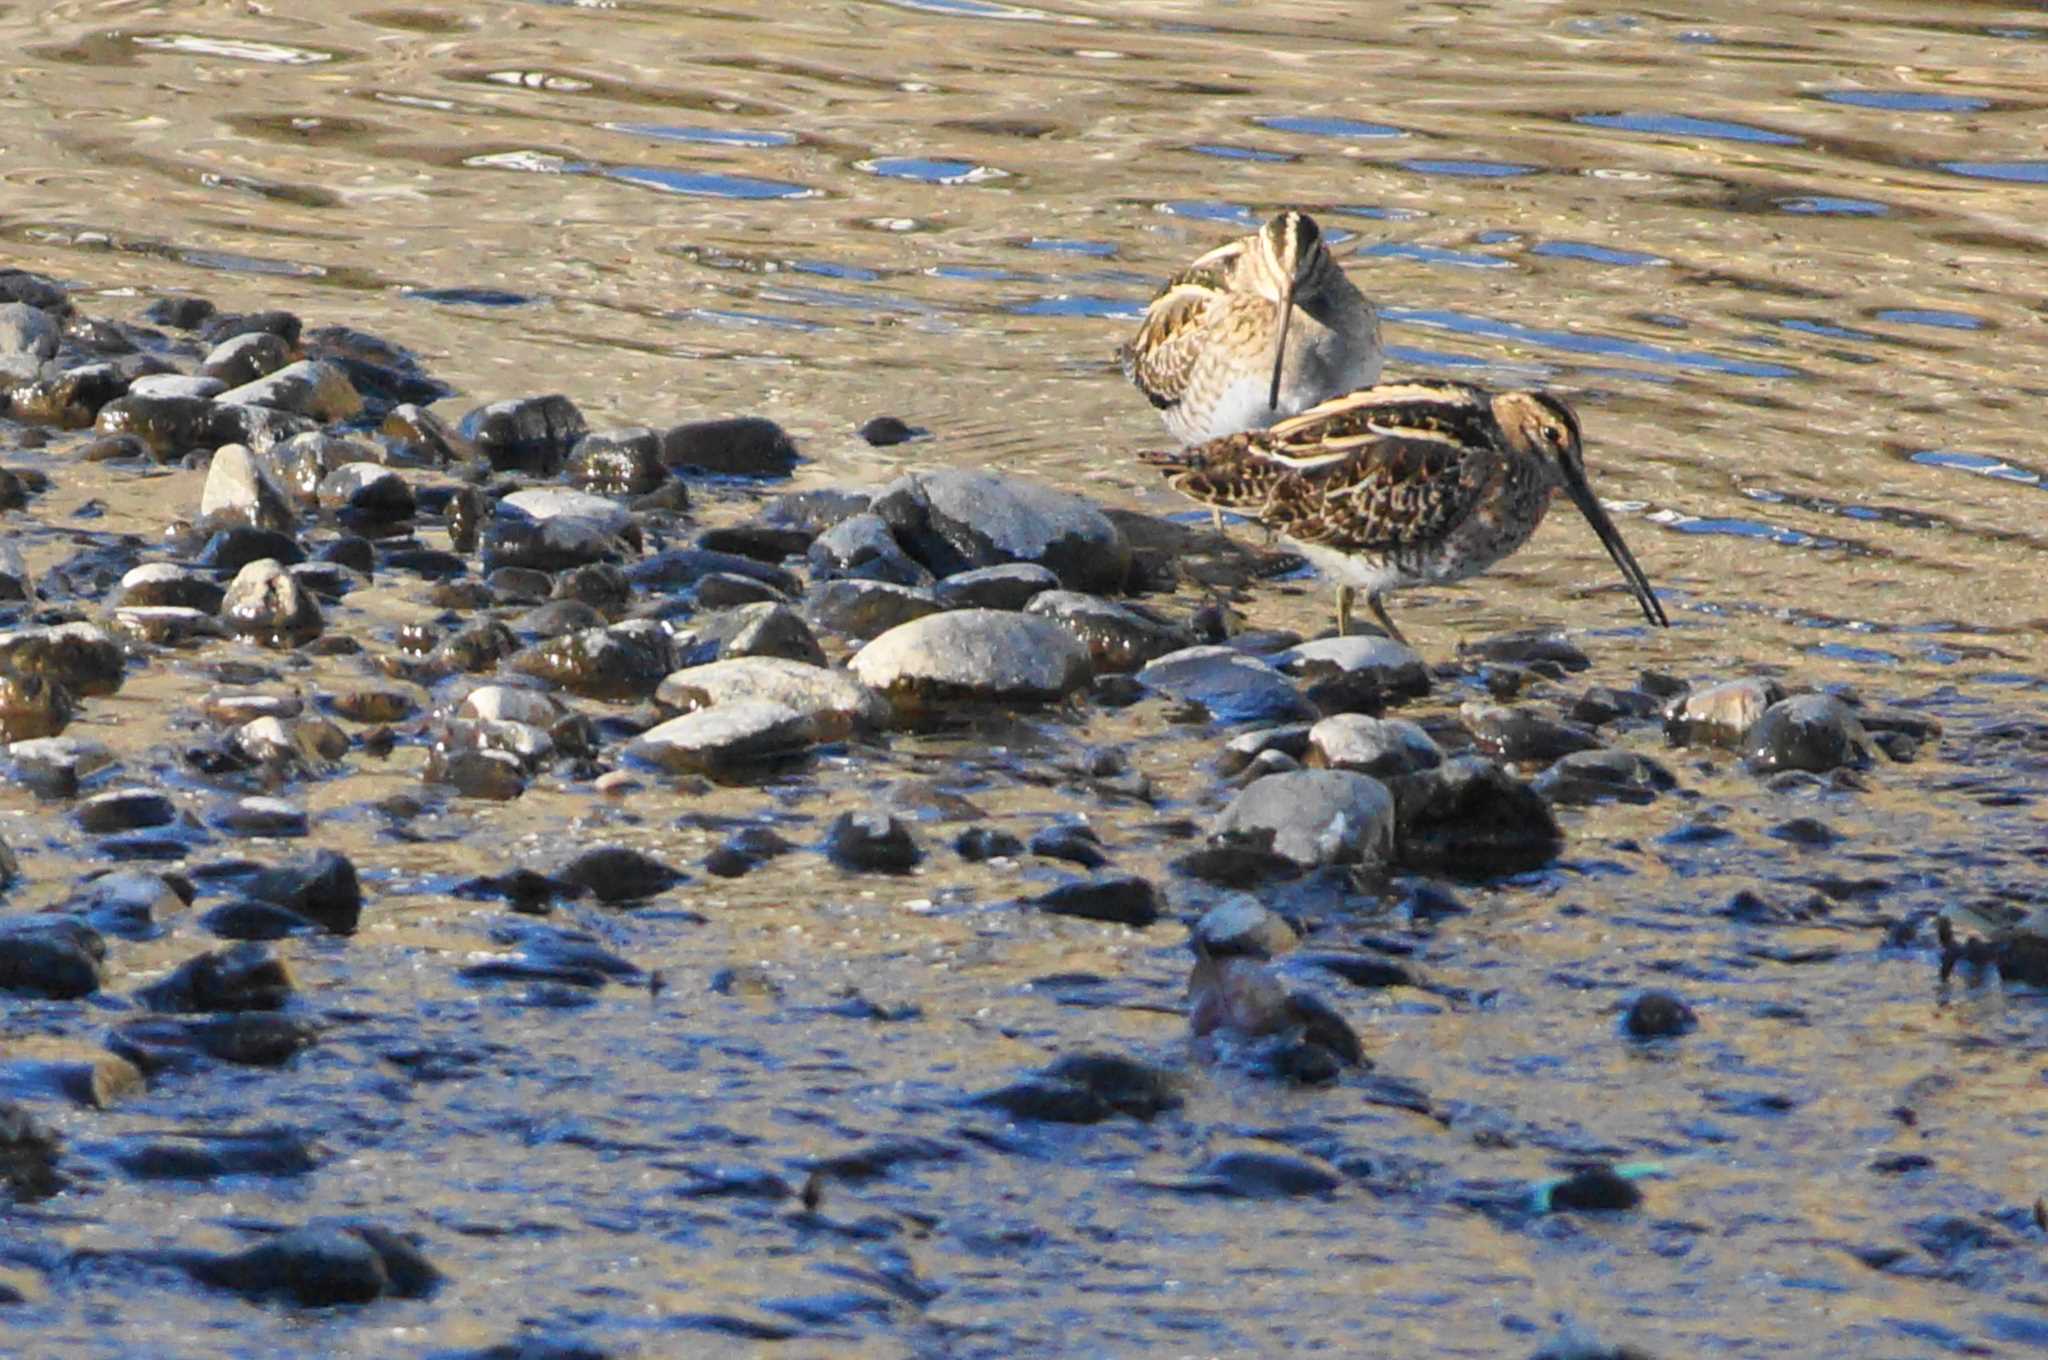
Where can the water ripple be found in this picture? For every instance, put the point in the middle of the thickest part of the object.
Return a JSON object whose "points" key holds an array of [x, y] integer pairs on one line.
{"points": [[1683, 125], [1329, 127], [929, 171], [1579, 342]]}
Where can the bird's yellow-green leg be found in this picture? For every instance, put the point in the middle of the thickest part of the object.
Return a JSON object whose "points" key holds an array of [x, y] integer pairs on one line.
{"points": [[1379, 611], [1345, 595]]}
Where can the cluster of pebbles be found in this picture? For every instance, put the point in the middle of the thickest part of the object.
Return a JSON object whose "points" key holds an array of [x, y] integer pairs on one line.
{"points": [[632, 613]]}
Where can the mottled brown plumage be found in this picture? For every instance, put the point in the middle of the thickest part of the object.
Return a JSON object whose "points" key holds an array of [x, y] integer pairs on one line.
{"points": [[1406, 484]]}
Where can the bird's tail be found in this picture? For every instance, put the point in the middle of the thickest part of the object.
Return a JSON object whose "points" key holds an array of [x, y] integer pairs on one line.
{"points": [[1189, 459]]}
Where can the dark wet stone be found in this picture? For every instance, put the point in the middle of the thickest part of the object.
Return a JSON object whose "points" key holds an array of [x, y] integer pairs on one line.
{"points": [[743, 446], [70, 400], [204, 1156], [32, 708], [626, 661], [1658, 1014], [34, 290], [866, 609], [526, 434], [882, 1155], [1549, 653], [537, 1348], [126, 904], [751, 630], [1601, 704], [760, 542], [1290, 739], [323, 889], [972, 655], [1048, 1100], [50, 956], [166, 584], [1230, 686], [247, 919], [1243, 926], [52, 767], [1316, 817], [1593, 776], [179, 313], [1595, 1189], [29, 1150], [1815, 732], [239, 1038], [369, 490], [872, 842], [1360, 970], [728, 738], [469, 509], [387, 375], [860, 547], [1807, 831], [245, 358], [1363, 745], [1119, 637], [321, 1267], [1720, 715], [78, 656], [1124, 899], [955, 520], [1128, 1085], [623, 462], [617, 873], [1010, 586], [745, 850], [120, 810], [681, 569], [1268, 1173], [599, 584], [883, 431], [232, 549], [226, 325], [97, 1081], [266, 604], [836, 703], [15, 580], [1360, 673], [1522, 736], [554, 528], [1471, 819], [309, 387], [1070, 841], [244, 977], [167, 426], [978, 844]]}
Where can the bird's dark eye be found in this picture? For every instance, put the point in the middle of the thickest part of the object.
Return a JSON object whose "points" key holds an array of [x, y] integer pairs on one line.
{"points": [[1553, 434]]}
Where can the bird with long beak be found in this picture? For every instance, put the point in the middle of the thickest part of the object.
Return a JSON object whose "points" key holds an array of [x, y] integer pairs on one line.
{"points": [[1254, 331], [1407, 484]]}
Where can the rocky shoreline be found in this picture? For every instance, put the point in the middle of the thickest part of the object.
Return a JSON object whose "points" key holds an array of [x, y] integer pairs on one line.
{"points": [[637, 619]]}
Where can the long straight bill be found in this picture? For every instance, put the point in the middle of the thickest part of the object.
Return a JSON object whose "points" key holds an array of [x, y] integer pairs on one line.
{"points": [[1610, 539], [1280, 350]]}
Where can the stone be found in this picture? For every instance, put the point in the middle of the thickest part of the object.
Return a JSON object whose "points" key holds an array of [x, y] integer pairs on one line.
{"points": [[1602, 704], [1720, 715], [1123, 899], [743, 446], [529, 434], [165, 626], [32, 708], [243, 977], [314, 1267], [119, 810], [70, 400], [617, 462], [1361, 673], [29, 1149], [1657, 1014], [972, 655], [681, 569], [237, 546], [745, 850], [1259, 1170], [883, 431], [244, 358], [166, 426], [751, 630], [1596, 776], [77, 656], [226, 325], [1119, 637], [207, 1155], [625, 661], [262, 816], [979, 844], [1232, 687], [1374, 746], [1523, 736], [861, 547], [955, 520], [554, 528], [28, 330], [1547, 653], [836, 704], [50, 956], [95, 1080], [1815, 732], [871, 842], [310, 387], [498, 776], [53, 766], [370, 490], [1074, 842], [1010, 586], [240, 491], [177, 385], [866, 609], [726, 738], [166, 584], [1316, 817], [618, 873], [323, 889], [509, 703], [15, 581], [267, 605], [1468, 818], [1241, 925]]}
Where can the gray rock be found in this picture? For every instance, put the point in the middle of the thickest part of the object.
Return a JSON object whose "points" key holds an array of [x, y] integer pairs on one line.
{"points": [[239, 491], [167, 426], [165, 625], [262, 816], [761, 629], [836, 703], [1010, 586], [165, 584], [125, 810], [310, 387], [323, 889], [682, 568], [872, 842], [1374, 746], [1289, 739], [1122, 899], [50, 956], [300, 464], [1355, 674], [1596, 776], [956, 520], [1522, 736], [1471, 819], [744, 446], [625, 661], [866, 609], [266, 605], [191, 387], [29, 1150], [206, 1155], [553, 528], [618, 873], [1233, 687], [972, 655], [15, 583], [77, 656], [368, 489], [1720, 715], [508, 703], [493, 775], [311, 1267], [244, 358], [727, 738], [1815, 732], [28, 331], [1119, 637], [244, 977], [528, 434], [126, 903], [1316, 817], [861, 547], [617, 462], [32, 708], [53, 766]]}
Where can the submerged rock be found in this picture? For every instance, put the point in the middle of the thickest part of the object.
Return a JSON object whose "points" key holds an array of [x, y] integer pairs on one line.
{"points": [[1471, 819], [244, 977], [1232, 687], [1119, 637], [50, 956], [872, 842], [1592, 776], [28, 1155], [1815, 732], [1720, 715], [322, 1266]]}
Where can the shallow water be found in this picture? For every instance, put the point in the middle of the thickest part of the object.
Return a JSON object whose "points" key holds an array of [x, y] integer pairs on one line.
{"points": [[1787, 266]]}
